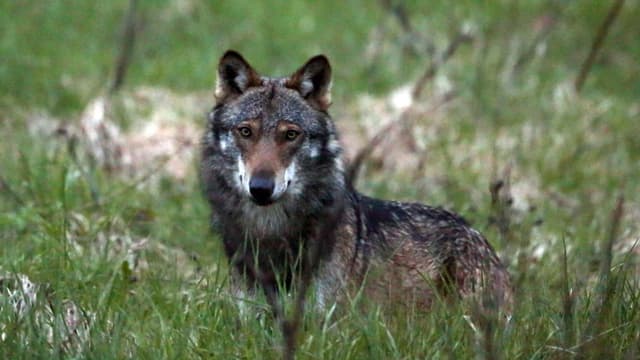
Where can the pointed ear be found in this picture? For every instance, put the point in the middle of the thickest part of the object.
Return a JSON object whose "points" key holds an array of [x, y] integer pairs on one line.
{"points": [[313, 82], [235, 76]]}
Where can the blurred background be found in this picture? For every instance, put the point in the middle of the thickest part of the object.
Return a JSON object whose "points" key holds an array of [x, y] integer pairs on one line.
{"points": [[57, 54], [523, 116]]}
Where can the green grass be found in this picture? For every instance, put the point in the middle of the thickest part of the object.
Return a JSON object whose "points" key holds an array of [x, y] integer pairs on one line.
{"points": [[170, 299]]}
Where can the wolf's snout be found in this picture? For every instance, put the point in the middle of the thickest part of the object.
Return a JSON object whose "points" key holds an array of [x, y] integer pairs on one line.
{"points": [[261, 189]]}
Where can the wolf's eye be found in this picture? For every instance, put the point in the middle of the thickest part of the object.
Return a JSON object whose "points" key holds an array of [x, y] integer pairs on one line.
{"points": [[244, 131], [291, 135]]}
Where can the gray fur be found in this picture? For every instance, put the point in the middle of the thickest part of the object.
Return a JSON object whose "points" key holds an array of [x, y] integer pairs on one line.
{"points": [[389, 250]]}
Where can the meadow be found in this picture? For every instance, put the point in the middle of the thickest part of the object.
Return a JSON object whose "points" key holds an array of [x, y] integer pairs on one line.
{"points": [[106, 251]]}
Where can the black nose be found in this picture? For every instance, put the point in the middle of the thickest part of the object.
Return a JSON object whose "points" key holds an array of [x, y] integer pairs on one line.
{"points": [[261, 188]]}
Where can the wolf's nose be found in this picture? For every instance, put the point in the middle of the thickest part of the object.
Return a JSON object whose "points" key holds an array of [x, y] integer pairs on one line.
{"points": [[261, 189]]}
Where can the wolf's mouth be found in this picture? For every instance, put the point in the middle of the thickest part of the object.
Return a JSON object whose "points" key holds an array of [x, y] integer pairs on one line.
{"points": [[262, 202]]}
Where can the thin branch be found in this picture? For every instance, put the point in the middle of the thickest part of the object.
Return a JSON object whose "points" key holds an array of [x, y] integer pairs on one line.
{"points": [[431, 71], [6, 188], [399, 12], [367, 149], [501, 203], [568, 300], [597, 43], [606, 284], [403, 119], [126, 47], [607, 255], [548, 23]]}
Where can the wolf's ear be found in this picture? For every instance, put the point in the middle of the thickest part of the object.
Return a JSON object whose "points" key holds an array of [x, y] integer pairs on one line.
{"points": [[313, 82], [235, 76]]}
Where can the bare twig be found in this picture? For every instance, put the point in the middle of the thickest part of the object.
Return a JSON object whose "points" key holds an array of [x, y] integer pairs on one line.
{"points": [[568, 301], [547, 24], [597, 43], [485, 320], [6, 188], [399, 12], [402, 120], [501, 205], [455, 43], [606, 284], [607, 254], [126, 47]]}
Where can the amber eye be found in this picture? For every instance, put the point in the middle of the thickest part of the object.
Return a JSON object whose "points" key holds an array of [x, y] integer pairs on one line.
{"points": [[244, 131], [291, 135]]}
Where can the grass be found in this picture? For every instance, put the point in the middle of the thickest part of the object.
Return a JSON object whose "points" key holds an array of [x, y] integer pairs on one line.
{"points": [[150, 280]]}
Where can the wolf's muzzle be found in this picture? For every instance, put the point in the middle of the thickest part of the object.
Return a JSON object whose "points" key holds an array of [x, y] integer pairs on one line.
{"points": [[261, 189]]}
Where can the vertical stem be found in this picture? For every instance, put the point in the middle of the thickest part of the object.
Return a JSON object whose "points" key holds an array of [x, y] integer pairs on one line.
{"points": [[597, 43], [126, 49]]}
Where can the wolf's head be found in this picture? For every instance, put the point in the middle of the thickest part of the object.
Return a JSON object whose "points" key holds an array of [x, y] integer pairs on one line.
{"points": [[270, 139]]}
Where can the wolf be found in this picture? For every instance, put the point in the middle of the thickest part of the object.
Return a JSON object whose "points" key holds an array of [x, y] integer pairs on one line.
{"points": [[273, 173]]}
